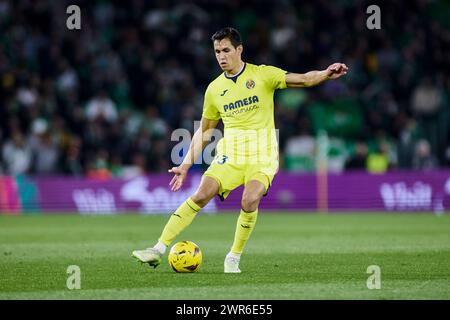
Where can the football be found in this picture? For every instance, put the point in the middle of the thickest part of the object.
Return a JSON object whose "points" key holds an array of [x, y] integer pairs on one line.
{"points": [[185, 256]]}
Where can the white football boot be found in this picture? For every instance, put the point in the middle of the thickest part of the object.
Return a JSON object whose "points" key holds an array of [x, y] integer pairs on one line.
{"points": [[149, 255], [231, 264]]}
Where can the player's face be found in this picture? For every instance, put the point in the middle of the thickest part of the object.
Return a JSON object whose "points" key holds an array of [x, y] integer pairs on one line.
{"points": [[228, 57]]}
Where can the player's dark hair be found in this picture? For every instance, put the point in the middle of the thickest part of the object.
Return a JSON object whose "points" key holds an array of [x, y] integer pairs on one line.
{"points": [[232, 34]]}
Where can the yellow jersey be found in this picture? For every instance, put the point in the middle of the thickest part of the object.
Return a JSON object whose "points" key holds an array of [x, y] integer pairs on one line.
{"points": [[245, 104]]}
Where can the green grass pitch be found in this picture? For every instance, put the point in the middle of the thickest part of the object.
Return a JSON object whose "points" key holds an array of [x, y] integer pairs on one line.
{"points": [[290, 256]]}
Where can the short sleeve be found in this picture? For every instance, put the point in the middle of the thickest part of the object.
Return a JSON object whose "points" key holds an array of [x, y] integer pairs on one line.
{"points": [[274, 77], [210, 110]]}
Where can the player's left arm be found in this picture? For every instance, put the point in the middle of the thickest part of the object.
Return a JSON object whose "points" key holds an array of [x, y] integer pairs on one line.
{"points": [[313, 78]]}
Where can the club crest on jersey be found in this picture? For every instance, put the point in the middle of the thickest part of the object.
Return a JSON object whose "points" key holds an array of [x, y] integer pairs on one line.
{"points": [[250, 84]]}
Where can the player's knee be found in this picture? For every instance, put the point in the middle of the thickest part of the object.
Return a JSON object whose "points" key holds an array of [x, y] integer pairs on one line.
{"points": [[201, 198], [250, 202]]}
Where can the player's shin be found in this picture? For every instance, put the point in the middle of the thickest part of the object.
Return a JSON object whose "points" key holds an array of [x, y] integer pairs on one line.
{"points": [[244, 227], [178, 221]]}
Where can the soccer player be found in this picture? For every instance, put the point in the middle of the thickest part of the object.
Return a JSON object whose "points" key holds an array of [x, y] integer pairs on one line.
{"points": [[242, 96]]}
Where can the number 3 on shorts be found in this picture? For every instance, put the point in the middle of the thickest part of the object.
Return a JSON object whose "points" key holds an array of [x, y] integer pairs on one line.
{"points": [[223, 160]]}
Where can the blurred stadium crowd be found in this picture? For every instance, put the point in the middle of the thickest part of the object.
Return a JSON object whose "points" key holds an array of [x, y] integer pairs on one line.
{"points": [[102, 101]]}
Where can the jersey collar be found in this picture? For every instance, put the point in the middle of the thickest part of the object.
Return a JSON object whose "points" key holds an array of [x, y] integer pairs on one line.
{"points": [[235, 77]]}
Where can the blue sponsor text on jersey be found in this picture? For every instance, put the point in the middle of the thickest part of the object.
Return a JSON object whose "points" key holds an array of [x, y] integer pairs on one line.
{"points": [[240, 103]]}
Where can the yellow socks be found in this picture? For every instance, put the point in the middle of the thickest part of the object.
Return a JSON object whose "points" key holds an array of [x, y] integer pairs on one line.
{"points": [[187, 211], [244, 227], [179, 220]]}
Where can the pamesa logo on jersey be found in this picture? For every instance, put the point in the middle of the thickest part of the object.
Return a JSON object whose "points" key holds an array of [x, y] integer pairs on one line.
{"points": [[240, 103]]}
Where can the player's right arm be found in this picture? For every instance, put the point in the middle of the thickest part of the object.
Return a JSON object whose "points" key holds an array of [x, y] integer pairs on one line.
{"points": [[199, 141]]}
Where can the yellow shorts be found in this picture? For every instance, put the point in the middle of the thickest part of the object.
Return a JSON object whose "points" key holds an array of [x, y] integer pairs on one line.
{"points": [[229, 176]]}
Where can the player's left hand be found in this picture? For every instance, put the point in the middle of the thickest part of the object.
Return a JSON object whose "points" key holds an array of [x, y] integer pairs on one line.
{"points": [[337, 70]]}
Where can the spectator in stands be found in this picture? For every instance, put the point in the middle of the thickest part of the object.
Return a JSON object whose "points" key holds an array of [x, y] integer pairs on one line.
{"points": [[153, 123], [426, 98], [409, 134], [447, 151], [72, 162], [358, 161], [101, 107], [45, 152], [98, 167], [67, 80], [137, 167], [423, 158], [300, 149], [378, 161], [16, 155], [426, 104]]}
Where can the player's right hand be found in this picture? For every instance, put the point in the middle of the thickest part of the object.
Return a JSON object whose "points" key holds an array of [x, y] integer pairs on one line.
{"points": [[178, 179]]}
